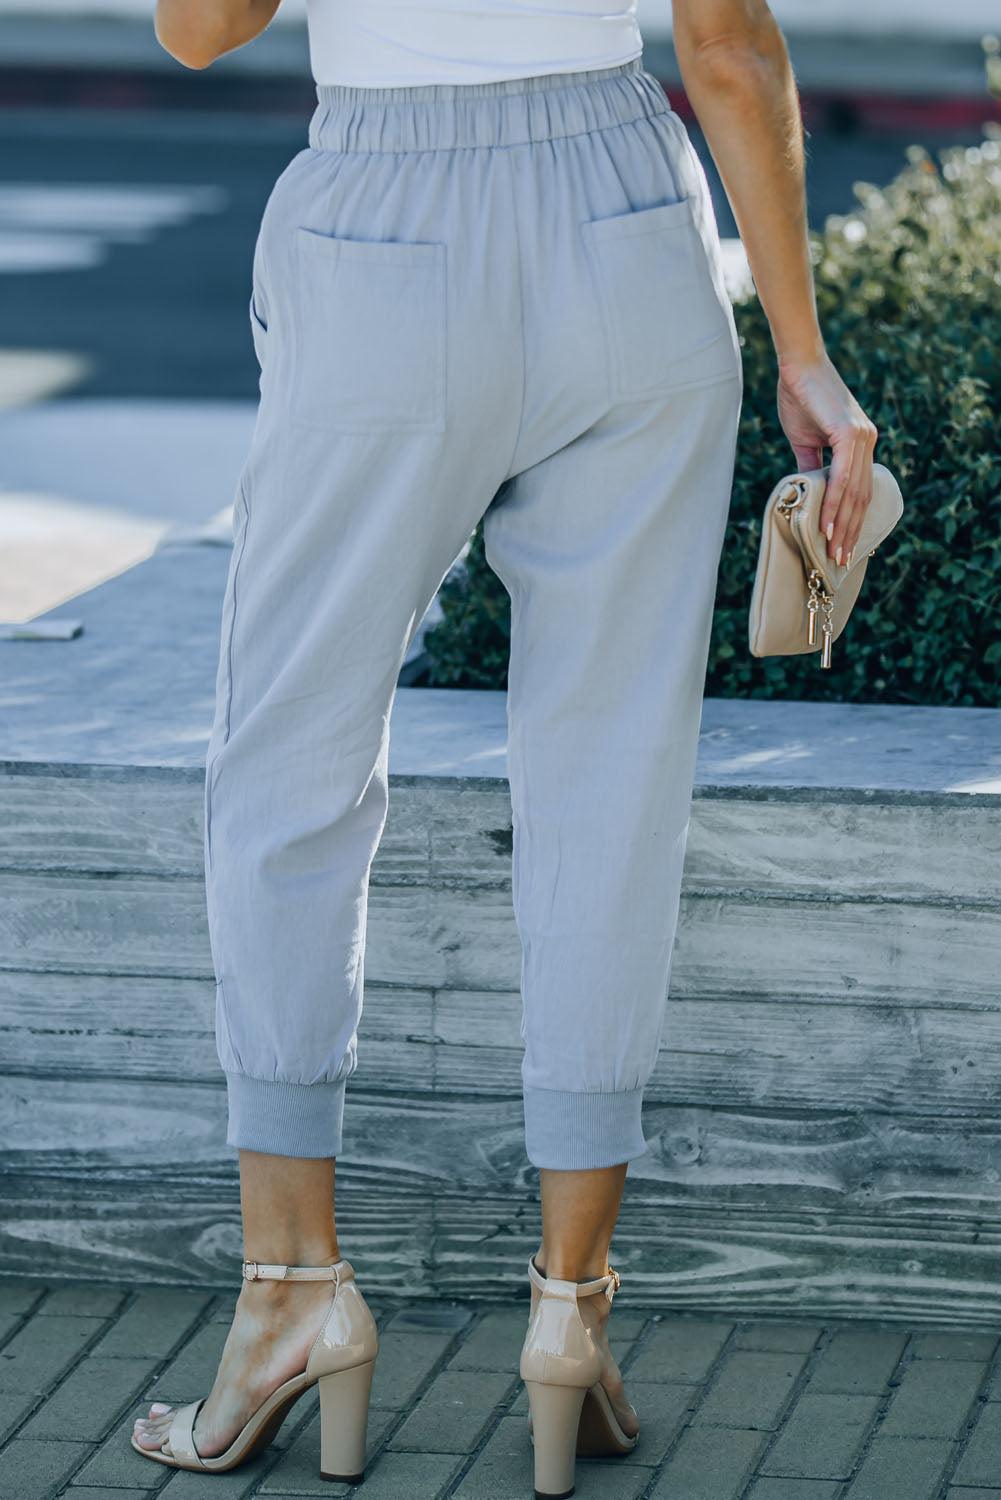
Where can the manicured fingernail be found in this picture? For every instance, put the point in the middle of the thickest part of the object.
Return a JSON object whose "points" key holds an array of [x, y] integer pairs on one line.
{"points": [[830, 530], [159, 1407], [837, 555], [848, 559]]}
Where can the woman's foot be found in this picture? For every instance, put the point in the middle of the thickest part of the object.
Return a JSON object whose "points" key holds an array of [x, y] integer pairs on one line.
{"points": [[273, 1330], [595, 1311]]}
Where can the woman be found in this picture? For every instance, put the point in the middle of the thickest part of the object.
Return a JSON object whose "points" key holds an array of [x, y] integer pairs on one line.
{"points": [[488, 291]]}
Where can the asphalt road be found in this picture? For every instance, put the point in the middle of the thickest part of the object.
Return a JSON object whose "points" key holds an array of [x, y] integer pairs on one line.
{"points": [[126, 237]]}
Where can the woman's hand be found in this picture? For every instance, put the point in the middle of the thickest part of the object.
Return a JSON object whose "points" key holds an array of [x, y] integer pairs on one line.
{"points": [[817, 411]]}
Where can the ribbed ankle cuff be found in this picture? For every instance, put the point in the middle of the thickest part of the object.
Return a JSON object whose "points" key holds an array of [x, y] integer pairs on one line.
{"points": [[577, 1132], [285, 1119]]}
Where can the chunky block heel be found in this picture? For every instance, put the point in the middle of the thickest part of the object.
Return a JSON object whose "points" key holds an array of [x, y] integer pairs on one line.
{"points": [[344, 1399], [555, 1421]]}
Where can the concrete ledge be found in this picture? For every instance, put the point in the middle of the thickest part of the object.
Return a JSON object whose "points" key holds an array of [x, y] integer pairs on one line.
{"points": [[136, 690], [824, 1118]]}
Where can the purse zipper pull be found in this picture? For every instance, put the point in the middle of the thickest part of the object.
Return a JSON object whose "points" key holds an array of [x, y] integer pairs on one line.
{"points": [[828, 628], [820, 601], [812, 608]]}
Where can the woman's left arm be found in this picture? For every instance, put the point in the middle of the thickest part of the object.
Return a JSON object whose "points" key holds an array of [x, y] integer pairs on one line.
{"points": [[196, 32]]}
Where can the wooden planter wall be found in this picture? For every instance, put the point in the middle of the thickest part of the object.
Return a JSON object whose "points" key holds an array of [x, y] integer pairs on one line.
{"points": [[824, 1118]]}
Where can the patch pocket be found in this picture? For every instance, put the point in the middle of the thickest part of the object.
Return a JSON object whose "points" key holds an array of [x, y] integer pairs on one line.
{"points": [[666, 322], [371, 329]]}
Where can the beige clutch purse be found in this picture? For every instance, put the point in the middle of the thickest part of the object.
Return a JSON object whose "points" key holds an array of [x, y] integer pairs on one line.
{"points": [[802, 598]]}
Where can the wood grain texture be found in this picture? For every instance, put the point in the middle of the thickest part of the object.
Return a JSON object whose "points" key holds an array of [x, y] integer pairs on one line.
{"points": [[136, 823], [766, 1055], [878, 1163], [712, 1257], [466, 938], [786, 1054], [886, 851], [458, 832]]}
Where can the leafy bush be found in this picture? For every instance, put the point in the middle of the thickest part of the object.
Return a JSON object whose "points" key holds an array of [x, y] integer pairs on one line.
{"points": [[909, 293]]}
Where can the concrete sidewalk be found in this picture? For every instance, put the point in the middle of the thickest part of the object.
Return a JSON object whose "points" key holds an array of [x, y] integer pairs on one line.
{"points": [[730, 1410]]}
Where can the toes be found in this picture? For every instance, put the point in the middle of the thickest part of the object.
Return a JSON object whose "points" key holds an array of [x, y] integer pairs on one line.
{"points": [[630, 1422], [157, 1412], [152, 1431], [148, 1439]]}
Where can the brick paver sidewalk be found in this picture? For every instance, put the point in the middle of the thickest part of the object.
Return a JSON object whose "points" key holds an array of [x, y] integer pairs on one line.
{"points": [[731, 1410]]}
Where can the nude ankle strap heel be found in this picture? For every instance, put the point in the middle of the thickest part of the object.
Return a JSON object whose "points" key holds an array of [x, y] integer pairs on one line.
{"points": [[569, 1410], [341, 1363]]}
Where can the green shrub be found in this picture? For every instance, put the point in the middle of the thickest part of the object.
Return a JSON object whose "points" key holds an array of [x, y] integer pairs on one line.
{"points": [[909, 293]]}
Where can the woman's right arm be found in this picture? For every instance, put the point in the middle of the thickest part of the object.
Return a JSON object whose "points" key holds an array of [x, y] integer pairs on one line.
{"points": [[737, 74], [196, 32]]}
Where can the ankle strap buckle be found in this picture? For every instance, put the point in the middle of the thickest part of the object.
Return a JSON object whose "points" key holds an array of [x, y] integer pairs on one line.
{"points": [[255, 1270]]}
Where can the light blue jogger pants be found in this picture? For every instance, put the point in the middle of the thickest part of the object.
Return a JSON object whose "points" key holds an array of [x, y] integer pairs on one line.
{"points": [[496, 302]]}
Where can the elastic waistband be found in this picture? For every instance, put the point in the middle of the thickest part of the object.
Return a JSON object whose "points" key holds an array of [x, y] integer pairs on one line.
{"points": [[508, 112]]}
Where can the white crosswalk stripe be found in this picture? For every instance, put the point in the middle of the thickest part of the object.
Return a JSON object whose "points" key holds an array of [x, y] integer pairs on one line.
{"points": [[70, 226]]}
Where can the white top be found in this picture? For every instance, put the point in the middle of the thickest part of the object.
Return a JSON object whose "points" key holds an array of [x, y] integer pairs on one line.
{"points": [[393, 43]]}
